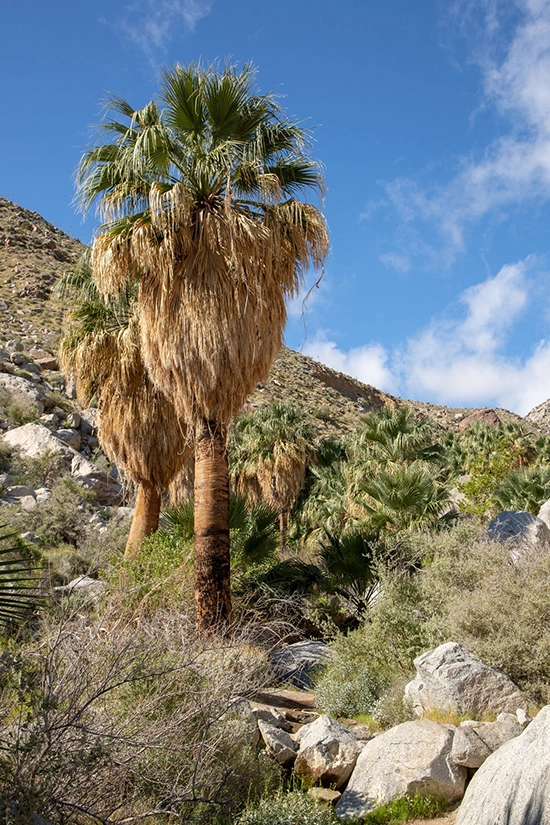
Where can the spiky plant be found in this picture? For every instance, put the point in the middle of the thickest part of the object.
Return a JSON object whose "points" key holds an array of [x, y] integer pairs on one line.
{"points": [[526, 489], [399, 497], [271, 450], [198, 199], [138, 427], [392, 435], [19, 596]]}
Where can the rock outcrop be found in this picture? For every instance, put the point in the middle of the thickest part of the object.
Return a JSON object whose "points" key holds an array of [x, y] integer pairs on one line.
{"points": [[413, 757], [512, 787], [452, 679]]}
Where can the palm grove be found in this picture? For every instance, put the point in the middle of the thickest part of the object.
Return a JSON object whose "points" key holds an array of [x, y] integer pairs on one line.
{"points": [[201, 223]]}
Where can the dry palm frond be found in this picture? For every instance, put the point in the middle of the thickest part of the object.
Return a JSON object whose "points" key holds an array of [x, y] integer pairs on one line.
{"points": [[138, 428], [201, 200]]}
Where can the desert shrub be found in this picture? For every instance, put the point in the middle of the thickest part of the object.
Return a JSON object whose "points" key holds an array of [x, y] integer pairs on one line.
{"points": [[406, 808], [392, 707], [351, 683], [62, 519], [468, 591], [6, 453], [292, 808], [37, 471], [103, 720]]}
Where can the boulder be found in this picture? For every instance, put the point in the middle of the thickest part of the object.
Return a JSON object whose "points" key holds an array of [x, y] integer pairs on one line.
{"points": [[487, 416], [512, 787], [325, 796], [73, 420], [544, 513], [413, 757], [475, 741], [19, 491], [328, 752], [70, 437], [525, 532], [89, 420], [35, 440], [296, 663], [23, 391], [450, 678], [107, 490], [278, 743]]}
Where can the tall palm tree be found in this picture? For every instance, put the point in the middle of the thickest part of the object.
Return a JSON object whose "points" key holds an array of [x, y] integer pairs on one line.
{"points": [[138, 427], [198, 199], [272, 448]]}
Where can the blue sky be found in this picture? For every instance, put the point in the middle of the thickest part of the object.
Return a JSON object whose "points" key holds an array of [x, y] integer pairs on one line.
{"points": [[433, 124]]}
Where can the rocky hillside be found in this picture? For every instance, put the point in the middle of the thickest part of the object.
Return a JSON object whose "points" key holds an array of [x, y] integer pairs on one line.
{"points": [[33, 255]]}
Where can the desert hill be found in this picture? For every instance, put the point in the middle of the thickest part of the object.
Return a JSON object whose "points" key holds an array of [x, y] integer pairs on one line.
{"points": [[34, 254]]}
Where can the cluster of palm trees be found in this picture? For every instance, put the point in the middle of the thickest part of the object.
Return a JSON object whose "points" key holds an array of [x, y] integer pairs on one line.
{"points": [[203, 238], [181, 311]]}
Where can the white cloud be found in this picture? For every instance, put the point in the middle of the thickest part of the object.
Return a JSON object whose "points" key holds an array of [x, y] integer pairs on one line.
{"points": [[459, 360], [511, 169], [152, 24], [368, 363]]}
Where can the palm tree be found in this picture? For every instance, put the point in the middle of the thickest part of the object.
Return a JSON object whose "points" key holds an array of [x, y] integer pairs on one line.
{"points": [[272, 448], [392, 435], [138, 427], [198, 199]]}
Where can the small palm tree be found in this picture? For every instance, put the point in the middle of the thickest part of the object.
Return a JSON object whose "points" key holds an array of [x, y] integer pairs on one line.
{"points": [[138, 427], [271, 450], [392, 435], [526, 489], [199, 201], [399, 497]]}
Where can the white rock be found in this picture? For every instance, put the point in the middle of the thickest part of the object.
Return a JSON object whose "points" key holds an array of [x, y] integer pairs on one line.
{"points": [[525, 532], [473, 743], [23, 391], [450, 678], [512, 787], [89, 420], [35, 439], [328, 752], [278, 743], [27, 503], [413, 757], [70, 437]]}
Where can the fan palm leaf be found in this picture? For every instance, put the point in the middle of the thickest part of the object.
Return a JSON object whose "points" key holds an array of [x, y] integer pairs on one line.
{"points": [[198, 198]]}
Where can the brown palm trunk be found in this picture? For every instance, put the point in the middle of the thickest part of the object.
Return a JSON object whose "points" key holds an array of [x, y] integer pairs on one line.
{"points": [[212, 562], [145, 520]]}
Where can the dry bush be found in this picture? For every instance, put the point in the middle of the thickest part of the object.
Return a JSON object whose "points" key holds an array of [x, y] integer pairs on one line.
{"points": [[104, 720], [465, 589]]}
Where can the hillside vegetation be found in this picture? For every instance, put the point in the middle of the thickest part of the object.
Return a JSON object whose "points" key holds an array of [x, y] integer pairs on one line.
{"points": [[356, 518]]}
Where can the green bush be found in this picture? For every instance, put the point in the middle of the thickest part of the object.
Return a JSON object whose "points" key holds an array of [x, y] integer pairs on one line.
{"points": [[406, 808], [467, 591], [350, 684], [63, 518], [292, 808]]}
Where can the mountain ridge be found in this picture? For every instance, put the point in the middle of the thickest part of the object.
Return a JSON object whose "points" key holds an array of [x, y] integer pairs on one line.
{"points": [[34, 254]]}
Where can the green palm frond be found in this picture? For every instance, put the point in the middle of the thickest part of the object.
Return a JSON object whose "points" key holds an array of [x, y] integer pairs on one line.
{"points": [[19, 592]]}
